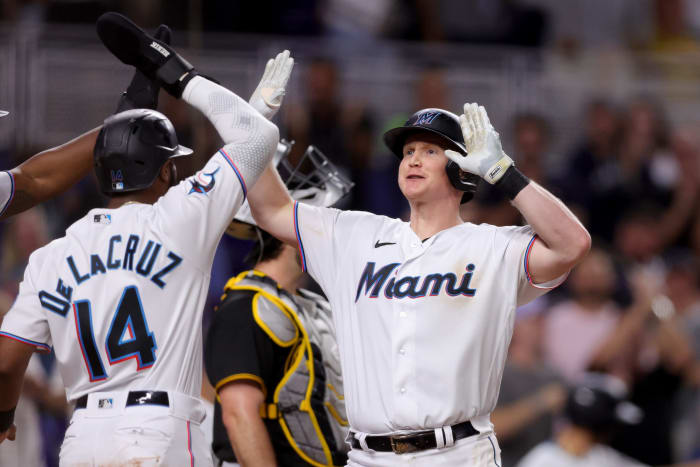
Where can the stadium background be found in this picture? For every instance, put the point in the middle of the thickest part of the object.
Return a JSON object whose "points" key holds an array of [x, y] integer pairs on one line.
{"points": [[599, 100]]}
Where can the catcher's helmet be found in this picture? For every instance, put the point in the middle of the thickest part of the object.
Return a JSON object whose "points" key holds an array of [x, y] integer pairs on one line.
{"points": [[445, 125], [313, 179], [131, 149]]}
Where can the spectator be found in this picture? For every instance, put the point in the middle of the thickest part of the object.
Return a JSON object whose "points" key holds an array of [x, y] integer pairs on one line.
{"points": [[661, 361], [576, 328], [682, 289], [588, 167]]}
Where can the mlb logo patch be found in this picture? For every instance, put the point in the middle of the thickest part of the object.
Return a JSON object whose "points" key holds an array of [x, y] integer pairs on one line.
{"points": [[117, 179], [105, 403], [105, 219]]}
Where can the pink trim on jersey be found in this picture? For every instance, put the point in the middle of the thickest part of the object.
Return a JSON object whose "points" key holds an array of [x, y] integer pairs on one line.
{"points": [[39, 346], [189, 444], [527, 258], [237, 172]]}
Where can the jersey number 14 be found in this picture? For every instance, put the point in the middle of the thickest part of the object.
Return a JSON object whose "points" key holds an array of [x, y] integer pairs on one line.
{"points": [[129, 316]]}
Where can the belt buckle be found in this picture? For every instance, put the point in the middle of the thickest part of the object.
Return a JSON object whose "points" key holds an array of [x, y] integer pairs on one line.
{"points": [[400, 445]]}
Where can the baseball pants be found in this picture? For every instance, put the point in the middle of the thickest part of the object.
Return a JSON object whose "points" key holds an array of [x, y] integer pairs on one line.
{"points": [[108, 433], [475, 451]]}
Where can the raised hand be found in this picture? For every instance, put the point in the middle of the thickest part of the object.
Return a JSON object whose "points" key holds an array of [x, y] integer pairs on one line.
{"points": [[267, 97], [485, 156]]}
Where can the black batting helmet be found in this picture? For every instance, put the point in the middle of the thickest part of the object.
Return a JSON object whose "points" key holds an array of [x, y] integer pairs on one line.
{"points": [[131, 149], [599, 404], [445, 125]]}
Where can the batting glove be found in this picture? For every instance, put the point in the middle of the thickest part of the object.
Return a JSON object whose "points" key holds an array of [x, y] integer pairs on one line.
{"points": [[152, 57], [485, 156], [142, 92], [267, 97]]}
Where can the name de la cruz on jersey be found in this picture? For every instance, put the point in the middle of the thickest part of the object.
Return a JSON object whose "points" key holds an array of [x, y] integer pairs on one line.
{"points": [[134, 254], [372, 283]]}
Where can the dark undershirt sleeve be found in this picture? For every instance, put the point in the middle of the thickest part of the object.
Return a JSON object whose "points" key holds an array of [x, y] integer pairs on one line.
{"points": [[233, 349]]}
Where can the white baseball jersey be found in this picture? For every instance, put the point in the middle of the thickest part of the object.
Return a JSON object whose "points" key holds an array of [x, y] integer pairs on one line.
{"points": [[7, 190], [423, 326], [120, 296]]}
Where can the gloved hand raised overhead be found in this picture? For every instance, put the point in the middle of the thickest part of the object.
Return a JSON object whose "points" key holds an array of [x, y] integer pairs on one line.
{"points": [[485, 156]]}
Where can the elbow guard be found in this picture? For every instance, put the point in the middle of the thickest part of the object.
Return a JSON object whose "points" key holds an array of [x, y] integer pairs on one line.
{"points": [[254, 154]]}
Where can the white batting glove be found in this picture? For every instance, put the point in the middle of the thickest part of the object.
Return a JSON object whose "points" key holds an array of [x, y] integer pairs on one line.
{"points": [[267, 97], [485, 154]]}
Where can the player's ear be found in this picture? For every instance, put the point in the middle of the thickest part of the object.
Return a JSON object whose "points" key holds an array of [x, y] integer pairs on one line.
{"points": [[168, 173]]}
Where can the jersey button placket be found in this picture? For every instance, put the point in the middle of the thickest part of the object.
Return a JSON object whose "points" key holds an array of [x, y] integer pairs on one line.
{"points": [[403, 336]]}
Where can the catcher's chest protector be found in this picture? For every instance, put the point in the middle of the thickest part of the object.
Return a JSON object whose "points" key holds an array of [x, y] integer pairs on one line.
{"points": [[308, 401]]}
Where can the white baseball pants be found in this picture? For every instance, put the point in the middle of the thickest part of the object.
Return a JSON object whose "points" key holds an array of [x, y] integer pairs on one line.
{"points": [[475, 451], [144, 435]]}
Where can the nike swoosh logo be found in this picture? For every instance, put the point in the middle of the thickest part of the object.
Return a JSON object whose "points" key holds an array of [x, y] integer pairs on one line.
{"points": [[378, 244]]}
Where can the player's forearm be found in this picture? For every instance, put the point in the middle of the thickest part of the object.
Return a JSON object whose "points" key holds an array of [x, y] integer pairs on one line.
{"points": [[249, 138], [563, 234], [51, 172], [14, 357], [249, 438], [272, 206]]}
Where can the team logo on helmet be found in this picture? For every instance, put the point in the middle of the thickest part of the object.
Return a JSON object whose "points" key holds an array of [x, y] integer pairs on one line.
{"points": [[203, 182], [426, 118]]}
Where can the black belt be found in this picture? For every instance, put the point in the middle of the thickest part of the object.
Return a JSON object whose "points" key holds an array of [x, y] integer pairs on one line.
{"points": [[134, 398], [413, 442]]}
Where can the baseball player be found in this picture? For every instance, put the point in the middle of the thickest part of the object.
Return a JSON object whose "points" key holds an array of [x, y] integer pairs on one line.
{"points": [[53, 171], [120, 296], [424, 309], [261, 324], [595, 410]]}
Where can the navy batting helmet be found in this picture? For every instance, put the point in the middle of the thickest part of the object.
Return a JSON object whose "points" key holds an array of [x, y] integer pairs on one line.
{"points": [[445, 125], [131, 149]]}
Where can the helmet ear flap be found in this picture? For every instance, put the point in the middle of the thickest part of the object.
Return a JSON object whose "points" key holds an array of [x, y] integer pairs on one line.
{"points": [[461, 180]]}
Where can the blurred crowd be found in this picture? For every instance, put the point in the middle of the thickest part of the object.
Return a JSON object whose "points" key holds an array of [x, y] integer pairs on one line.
{"points": [[631, 309], [660, 25]]}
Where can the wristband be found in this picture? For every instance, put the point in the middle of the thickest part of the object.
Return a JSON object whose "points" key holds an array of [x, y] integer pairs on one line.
{"points": [[6, 419], [512, 182]]}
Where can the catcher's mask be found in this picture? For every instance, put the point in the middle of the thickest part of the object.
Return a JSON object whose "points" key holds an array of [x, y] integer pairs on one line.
{"points": [[312, 180], [445, 125], [131, 149]]}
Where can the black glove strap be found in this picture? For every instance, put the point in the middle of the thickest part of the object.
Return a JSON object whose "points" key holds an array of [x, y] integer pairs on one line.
{"points": [[512, 182], [174, 74], [6, 419]]}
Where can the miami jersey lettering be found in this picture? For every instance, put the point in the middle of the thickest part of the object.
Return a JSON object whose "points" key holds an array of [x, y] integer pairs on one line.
{"points": [[410, 311]]}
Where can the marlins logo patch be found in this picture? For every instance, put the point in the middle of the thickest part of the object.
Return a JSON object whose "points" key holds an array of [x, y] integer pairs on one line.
{"points": [[426, 118], [203, 182]]}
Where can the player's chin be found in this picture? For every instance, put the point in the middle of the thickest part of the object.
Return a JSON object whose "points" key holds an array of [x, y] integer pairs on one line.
{"points": [[413, 193]]}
